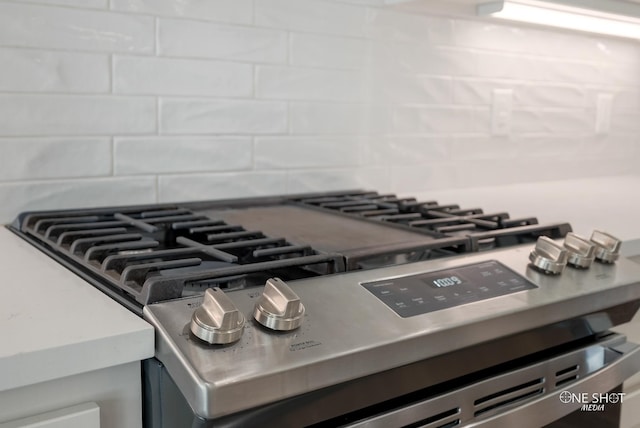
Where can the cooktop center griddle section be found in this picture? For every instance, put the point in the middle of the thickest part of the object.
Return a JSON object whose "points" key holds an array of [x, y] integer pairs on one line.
{"points": [[363, 243], [323, 231]]}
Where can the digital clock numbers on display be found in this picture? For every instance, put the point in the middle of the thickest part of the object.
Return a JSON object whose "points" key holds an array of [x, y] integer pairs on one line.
{"points": [[417, 294], [447, 281]]}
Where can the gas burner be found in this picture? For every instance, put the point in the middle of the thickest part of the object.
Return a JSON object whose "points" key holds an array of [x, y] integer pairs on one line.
{"points": [[169, 252]]}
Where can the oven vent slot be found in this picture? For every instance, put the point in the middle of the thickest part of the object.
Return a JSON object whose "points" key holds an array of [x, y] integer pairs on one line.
{"points": [[508, 396], [567, 375], [446, 419]]}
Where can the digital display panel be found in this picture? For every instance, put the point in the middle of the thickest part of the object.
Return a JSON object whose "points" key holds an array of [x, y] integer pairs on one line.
{"points": [[432, 291]]}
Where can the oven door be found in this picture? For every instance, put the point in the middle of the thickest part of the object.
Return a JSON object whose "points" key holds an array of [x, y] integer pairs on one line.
{"points": [[577, 386], [581, 388]]}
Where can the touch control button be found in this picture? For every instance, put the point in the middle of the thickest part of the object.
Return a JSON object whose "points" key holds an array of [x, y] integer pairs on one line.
{"points": [[607, 246], [581, 252], [217, 320], [548, 257], [279, 308]]}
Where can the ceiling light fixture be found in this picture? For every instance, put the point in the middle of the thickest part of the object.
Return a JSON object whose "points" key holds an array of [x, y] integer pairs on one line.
{"points": [[569, 17]]}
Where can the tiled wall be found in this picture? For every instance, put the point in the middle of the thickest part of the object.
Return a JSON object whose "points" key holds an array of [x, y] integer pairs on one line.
{"points": [[136, 101]]}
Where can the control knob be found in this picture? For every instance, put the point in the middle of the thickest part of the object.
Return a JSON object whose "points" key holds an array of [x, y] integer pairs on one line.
{"points": [[548, 256], [279, 307], [581, 252], [217, 320], [607, 246]]}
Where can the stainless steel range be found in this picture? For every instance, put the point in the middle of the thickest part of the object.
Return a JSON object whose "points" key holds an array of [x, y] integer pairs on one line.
{"points": [[359, 309]]}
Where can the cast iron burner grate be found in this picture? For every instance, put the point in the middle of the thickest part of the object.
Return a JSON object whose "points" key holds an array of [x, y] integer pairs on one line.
{"points": [[161, 254], [485, 231]]}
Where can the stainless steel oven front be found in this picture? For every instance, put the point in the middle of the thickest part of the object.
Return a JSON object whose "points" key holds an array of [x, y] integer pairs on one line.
{"points": [[476, 340]]}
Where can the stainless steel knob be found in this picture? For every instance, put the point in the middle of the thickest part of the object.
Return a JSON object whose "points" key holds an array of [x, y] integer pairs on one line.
{"points": [[607, 246], [279, 308], [217, 320], [548, 256], [581, 251]]}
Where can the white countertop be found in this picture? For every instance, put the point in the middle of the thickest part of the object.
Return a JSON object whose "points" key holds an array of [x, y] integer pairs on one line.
{"points": [[53, 324], [611, 204]]}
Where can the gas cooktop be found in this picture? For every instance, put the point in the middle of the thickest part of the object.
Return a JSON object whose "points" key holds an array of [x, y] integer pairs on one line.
{"points": [[146, 254], [355, 308]]}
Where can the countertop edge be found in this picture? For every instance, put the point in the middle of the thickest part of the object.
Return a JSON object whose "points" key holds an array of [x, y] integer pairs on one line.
{"points": [[29, 368]]}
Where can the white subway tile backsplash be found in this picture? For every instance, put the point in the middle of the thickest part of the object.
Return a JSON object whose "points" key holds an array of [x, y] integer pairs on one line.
{"points": [[478, 91], [423, 59], [441, 31], [315, 16], [417, 178], [439, 119], [174, 188], [524, 67], [28, 70], [308, 152], [385, 24], [29, 25], [537, 146], [506, 66], [551, 95], [399, 151], [218, 116], [313, 50], [410, 88], [235, 11], [199, 99], [626, 122], [624, 98], [168, 76], [310, 84], [84, 4], [494, 172], [80, 193], [318, 180], [183, 38], [577, 121], [621, 147], [581, 72], [333, 118], [620, 74], [181, 154], [525, 94], [39, 158], [475, 147], [75, 115]]}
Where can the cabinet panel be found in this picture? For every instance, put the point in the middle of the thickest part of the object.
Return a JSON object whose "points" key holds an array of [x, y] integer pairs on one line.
{"points": [[85, 415], [116, 390]]}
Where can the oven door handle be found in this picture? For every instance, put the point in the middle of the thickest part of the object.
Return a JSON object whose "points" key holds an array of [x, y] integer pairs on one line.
{"points": [[558, 403], [513, 399]]}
